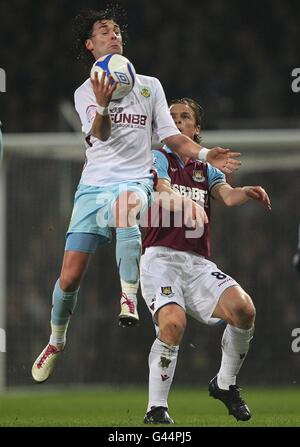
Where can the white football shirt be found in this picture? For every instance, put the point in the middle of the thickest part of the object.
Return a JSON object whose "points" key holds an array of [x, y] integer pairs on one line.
{"points": [[126, 155]]}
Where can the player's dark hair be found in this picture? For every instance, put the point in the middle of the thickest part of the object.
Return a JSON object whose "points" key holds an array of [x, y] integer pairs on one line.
{"points": [[83, 27], [197, 110]]}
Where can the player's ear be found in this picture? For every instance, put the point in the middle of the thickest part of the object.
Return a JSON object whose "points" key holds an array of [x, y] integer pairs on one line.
{"points": [[198, 130], [89, 44]]}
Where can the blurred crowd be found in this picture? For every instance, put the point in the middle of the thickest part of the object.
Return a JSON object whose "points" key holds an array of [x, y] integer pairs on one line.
{"points": [[234, 57]]}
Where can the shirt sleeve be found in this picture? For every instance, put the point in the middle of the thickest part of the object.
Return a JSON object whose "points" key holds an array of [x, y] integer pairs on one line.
{"points": [[214, 176], [163, 124], [161, 165], [85, 105]]}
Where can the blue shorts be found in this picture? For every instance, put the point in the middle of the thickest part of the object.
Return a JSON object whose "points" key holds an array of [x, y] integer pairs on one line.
{"points": [[93, 207]]}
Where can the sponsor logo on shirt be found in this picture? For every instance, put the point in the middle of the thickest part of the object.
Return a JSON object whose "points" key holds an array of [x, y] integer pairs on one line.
{"points": [[129, 119], [116, 110], [199, 195], [120, 118]]}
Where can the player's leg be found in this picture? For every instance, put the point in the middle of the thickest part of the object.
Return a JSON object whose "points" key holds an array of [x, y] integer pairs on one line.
{"points": [[64, 300], [161, 289], [128, 253], [65, 294], [211, 296], [162, 362], [84, 235], [236, 308], [86, 232]]}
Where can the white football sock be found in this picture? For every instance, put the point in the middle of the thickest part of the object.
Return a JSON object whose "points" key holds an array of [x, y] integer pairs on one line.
{"points": [[58, 335], [235, 345], [162, 364], [130, 289]]}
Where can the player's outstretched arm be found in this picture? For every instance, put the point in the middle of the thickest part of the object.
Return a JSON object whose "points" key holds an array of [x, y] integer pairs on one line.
{"points": [[237, 196], [103, 89], [223, 159]]}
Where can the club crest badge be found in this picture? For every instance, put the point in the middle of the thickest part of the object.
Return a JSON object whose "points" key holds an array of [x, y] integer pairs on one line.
{"points": [[167, 291], [198, 176], [145, 91]]}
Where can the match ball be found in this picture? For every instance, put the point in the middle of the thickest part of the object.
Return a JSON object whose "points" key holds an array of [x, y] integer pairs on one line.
{"points": [[121, 70]]}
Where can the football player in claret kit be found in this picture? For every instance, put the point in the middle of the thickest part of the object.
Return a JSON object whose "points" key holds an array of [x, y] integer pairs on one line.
{"points": [[117, 179], [177, 276]]}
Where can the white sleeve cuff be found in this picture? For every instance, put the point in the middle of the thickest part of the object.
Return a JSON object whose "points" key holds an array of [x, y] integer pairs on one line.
{"points": [[102, 110], [203, 154]]}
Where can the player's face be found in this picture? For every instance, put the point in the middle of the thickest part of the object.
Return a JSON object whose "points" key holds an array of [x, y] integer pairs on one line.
{"points": [[184, 119], [106, 38]]}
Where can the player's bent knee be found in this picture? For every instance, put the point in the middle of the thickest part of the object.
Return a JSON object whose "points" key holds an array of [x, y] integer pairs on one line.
{"points": [[172, 329], [172, 322], [70, 281], [245, 311]]}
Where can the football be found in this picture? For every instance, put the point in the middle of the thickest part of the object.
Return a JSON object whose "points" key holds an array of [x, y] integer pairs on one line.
{"points": [[121, 70]]}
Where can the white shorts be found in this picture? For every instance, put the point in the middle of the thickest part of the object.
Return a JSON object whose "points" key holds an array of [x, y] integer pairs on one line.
{"points": [[184, 278]]}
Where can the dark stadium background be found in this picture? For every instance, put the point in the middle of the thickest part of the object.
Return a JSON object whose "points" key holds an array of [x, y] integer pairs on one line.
{"points": [[236, 59]]}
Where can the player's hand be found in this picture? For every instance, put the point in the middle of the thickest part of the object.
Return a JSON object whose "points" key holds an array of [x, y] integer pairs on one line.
{"points": [[258, 193], [194, 214], [223, 159], [103, 88], [296, 261]]}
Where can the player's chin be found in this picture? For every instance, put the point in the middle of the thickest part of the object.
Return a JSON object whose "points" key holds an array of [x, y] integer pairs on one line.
{"points": [[115, 49]]}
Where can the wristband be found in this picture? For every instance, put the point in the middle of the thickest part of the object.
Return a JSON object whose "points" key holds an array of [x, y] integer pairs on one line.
{"points": [[102, 110], [203, 154]]}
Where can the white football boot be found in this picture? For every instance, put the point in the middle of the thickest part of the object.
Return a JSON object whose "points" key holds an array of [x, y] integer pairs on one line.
{"points": [[44, 364], [128, 315]]}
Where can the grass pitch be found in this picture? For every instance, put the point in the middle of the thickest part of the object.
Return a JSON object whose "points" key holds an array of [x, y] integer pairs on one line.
{"points": [[126, 407]]}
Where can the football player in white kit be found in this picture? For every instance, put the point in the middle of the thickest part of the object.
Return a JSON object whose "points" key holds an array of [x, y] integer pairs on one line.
{"points": [[177, 276], [117, 180]]}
